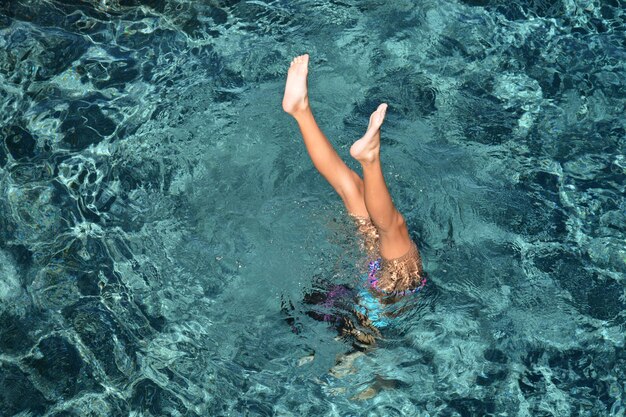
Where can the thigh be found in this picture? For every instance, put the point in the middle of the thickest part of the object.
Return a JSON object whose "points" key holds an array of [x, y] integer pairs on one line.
{"points": [[395, 241]]}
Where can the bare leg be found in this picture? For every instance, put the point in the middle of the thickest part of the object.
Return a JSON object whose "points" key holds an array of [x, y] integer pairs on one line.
{"points": [[394, 235], [346, 182]]}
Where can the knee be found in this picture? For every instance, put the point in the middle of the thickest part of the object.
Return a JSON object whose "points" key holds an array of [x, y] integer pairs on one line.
{"points": [[398, 222], [351, 188], [353, 185], [393, 225]]}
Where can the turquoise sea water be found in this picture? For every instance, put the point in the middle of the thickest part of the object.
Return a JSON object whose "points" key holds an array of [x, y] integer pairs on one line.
{"points": [[157, 205]]}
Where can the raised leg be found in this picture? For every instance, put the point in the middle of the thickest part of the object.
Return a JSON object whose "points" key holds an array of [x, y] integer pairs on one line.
{"points": [[394, 235], [346, 182]]}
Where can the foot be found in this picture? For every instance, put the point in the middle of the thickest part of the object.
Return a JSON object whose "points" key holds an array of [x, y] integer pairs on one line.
{"points": [[375, 388], [367, 149], [345, 364], [296, 98]]}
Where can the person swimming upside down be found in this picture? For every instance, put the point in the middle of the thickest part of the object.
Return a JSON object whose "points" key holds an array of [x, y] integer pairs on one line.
{"points": [[395, 267]]}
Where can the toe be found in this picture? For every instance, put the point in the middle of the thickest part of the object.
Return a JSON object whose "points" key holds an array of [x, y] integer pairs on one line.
{"points": [[380, 112]]}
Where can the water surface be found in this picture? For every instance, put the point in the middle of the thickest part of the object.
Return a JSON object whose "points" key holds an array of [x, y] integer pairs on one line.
{"points": [[158, 205]]}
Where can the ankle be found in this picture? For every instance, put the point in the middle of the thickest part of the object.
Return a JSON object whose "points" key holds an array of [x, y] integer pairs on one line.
{"points": [[296, 106], [370, 158], [302, 112]]}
